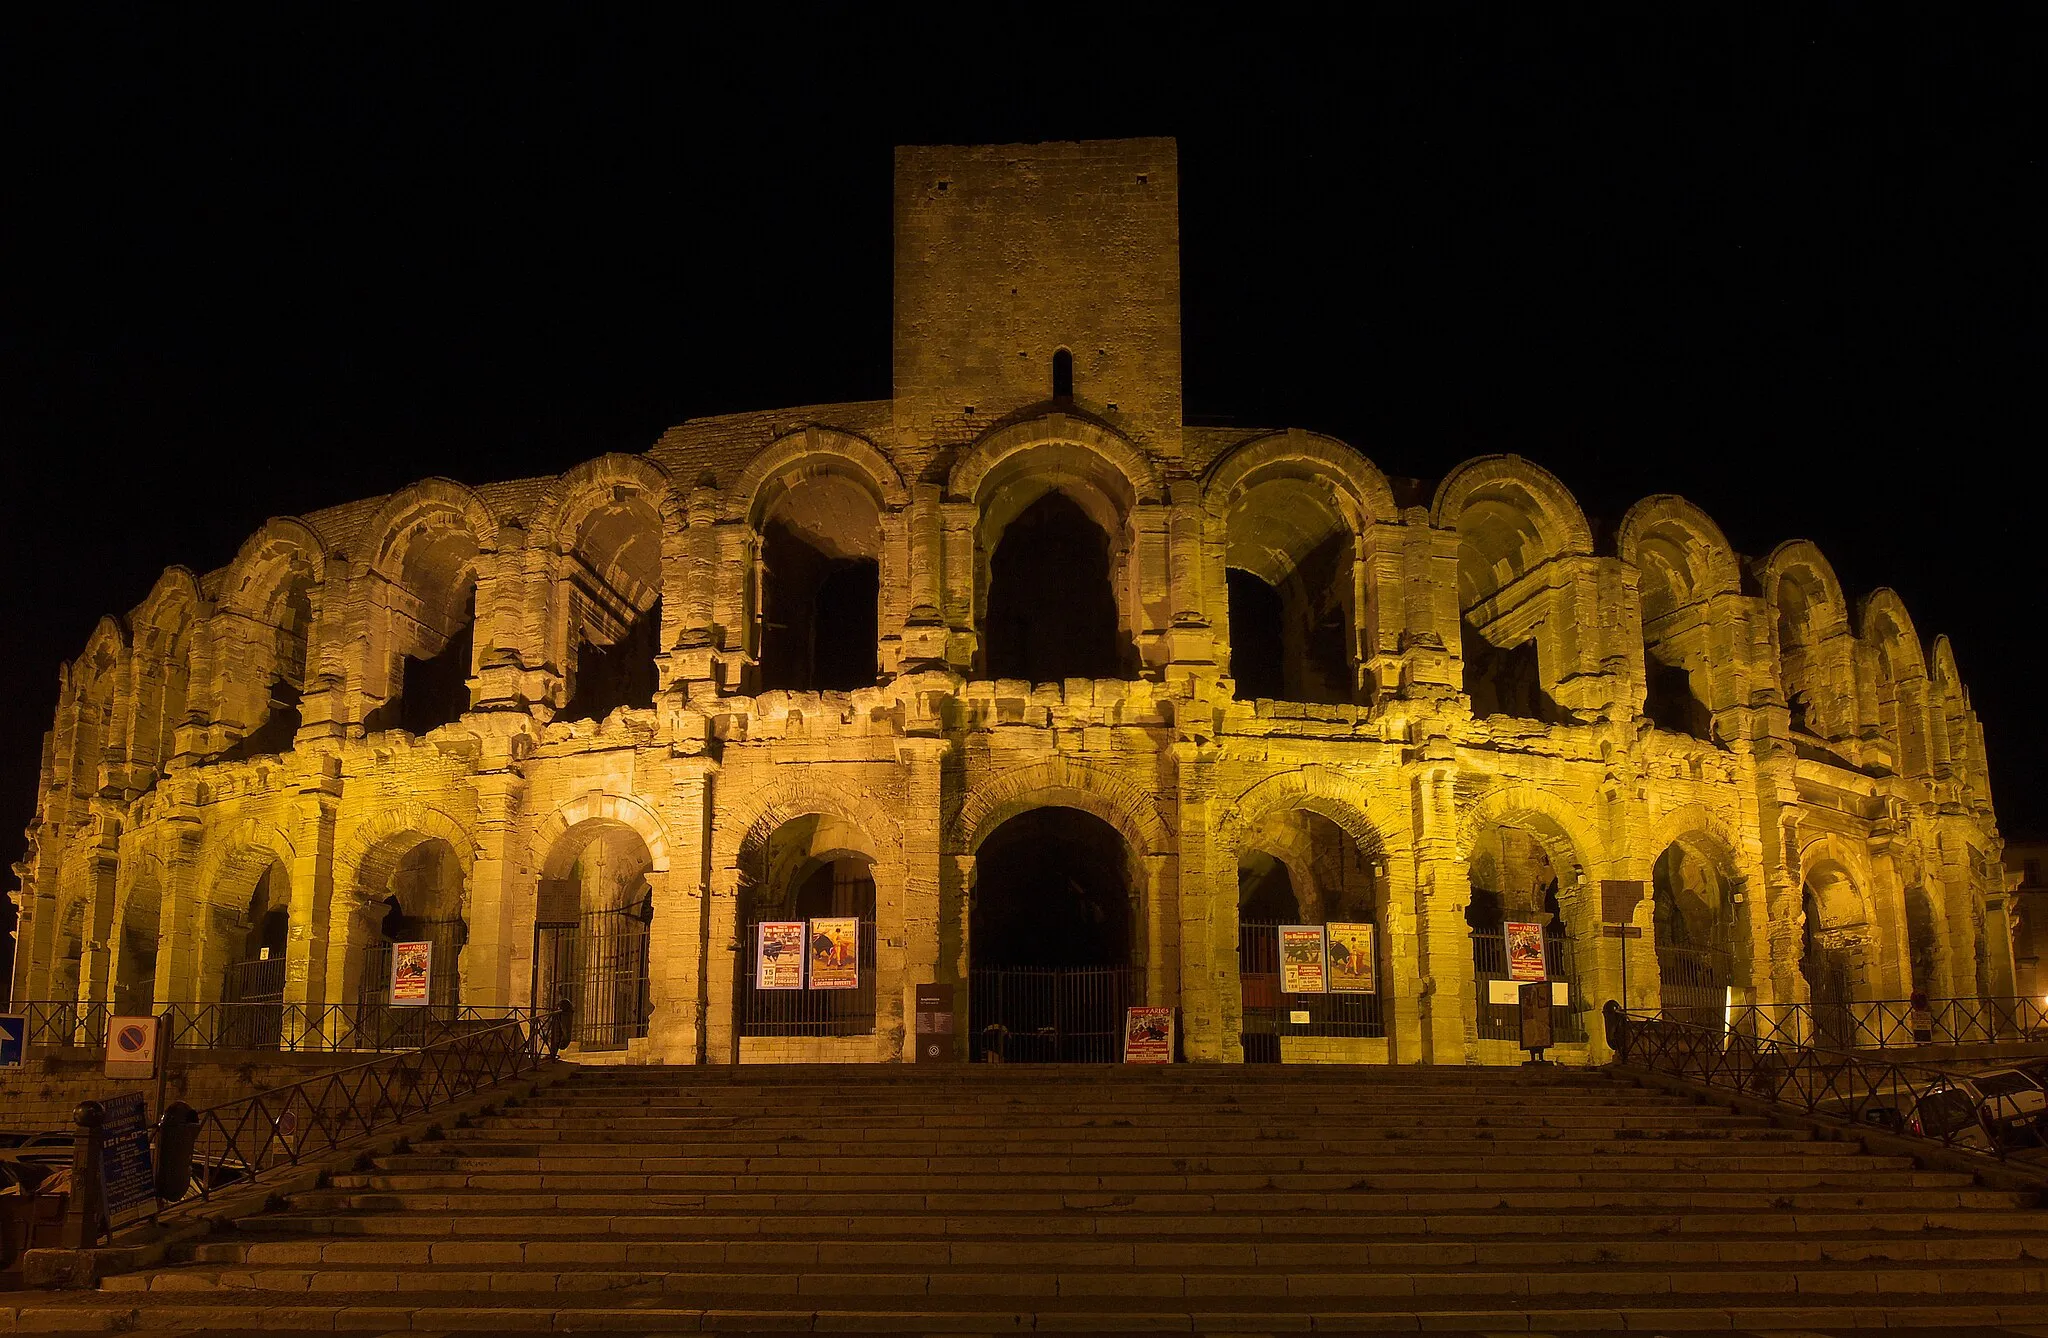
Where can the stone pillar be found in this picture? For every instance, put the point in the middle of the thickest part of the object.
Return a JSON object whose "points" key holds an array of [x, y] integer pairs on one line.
{"points": [[959, 589], [1192, 638], [179, 954], [1211, 997], [1445, 1004], [956, 884], [312, 882], [1151, 588], [1401, 955], [497, 964], [918, 916], [1162, 932], [678, 938]]}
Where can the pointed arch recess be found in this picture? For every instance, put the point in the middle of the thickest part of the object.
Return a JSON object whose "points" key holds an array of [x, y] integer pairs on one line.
{"points": [[1061, 782]]}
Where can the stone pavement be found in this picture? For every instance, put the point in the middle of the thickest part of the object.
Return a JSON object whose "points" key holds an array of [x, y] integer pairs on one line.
{"points": [[1190, 1199]]}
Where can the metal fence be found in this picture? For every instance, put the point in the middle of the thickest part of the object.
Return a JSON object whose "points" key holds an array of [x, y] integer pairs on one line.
{"points": [[284, 1027], [1502, 1022], [805, 1012], [444, 979], [597, 965], [1271, 1013], [1880, 1024], [1693, 983], [1844, 1086], [1050, 1014]]}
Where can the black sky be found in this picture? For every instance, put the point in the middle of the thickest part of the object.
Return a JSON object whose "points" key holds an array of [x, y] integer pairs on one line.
{"points": [[1784, 260]]}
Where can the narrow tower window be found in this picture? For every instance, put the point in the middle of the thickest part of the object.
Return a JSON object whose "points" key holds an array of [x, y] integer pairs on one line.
{"points": [[1063, 375]]}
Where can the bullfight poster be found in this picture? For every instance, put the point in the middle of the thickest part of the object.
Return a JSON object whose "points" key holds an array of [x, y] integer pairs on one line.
{"points": [[412, 971], [1148, 1035], [1302, 957], [1351, 959], [835, 953], [1525, 950], [779, 955]]}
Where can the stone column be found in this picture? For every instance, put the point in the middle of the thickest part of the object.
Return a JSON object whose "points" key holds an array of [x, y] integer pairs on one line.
{"points": [[1445, 1004], [497, 964], [918, 917], [1211, 1002], [961, 577], [678, 938], [183, 921], [312, 881]]}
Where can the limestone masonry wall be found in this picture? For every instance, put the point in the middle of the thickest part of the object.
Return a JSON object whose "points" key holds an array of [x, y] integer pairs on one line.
{"points": [[580, 732]]}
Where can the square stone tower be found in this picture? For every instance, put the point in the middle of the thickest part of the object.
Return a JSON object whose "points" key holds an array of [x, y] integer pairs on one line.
{"points": [[1007, 255]]}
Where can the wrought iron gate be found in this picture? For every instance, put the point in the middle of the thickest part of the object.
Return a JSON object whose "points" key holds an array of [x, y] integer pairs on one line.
{"points": [[1051, 1014], [1503, 1022], [1269, 1014], [1693, 984], [804, 1012], [597, 964], [254, 982]]}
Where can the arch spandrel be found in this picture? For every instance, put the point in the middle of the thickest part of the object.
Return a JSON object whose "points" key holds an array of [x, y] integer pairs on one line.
{"points": [[1300, 455], [1888, 628], [1695, 825], [434, 503], [795, 456], [236, 857], [984, 459], [263, 563], [376, 846], [1524, 486], [1801, 560], [567, 504], [1665, 528], [605, 809], [1535, 807], [1374, 824], [1060, 782], [755, 814]]}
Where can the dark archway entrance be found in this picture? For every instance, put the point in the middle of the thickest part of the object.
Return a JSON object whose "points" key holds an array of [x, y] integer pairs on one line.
{"points": [[1051, 931], [1052, 611]]}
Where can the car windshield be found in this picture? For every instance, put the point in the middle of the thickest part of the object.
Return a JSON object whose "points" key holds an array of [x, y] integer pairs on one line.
{"points": [[2005, 1084]]}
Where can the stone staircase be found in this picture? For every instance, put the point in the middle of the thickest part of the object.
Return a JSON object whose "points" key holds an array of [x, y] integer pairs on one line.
{"points": [[909, 1199]]}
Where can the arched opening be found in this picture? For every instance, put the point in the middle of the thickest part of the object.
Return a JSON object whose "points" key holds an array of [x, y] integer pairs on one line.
{"points": [[422, 902], [135, 955], [1051, 926], [1526, 872], [1830, 958], [255, 972], [821, 544], [593, 919], [1701, 953], [611, 584], [431, 616], [1674, 566], [1500, 543], [1299, 868], [1923, 943], [808, 881], [280, 663], [1062, 375], [1052, 611], [1669, 700], [1290, 574]]}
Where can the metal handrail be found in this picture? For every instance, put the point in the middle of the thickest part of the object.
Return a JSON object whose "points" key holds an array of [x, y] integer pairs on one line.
{"points": [[1839, 1085], [240, 1140], [1880, 1024], [289, 1028]]}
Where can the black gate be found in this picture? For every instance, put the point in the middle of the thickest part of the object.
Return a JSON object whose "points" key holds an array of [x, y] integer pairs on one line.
{"points": [[805, 1012], [1693, 984], [1503, 1022], [259, 982], [444, 980], [597, 964], [1051, 1014], [1269, 1013]]}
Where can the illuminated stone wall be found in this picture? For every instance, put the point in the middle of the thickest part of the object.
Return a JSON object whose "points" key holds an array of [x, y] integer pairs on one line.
{"points": [[1801, 782]]}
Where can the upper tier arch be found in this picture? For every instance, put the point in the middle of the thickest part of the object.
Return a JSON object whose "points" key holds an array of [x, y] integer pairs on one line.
{"points": [[564, 509], [1297, 454], [1523, 486], [1680, 551], [796, 456], [972, 471]]}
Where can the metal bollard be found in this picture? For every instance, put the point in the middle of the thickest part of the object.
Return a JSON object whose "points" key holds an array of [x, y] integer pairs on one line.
{"points": [[85, 1215]]}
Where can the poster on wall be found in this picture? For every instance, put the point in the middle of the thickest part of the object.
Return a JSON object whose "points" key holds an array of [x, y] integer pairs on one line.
{"points": [[835, 953], [412, 970], [1351, 959], [1302, 960], [779, 955], [1525, 950], [1148, 1035]]}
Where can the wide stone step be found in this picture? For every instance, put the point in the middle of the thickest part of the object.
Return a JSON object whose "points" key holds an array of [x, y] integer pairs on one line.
{"points": [[1161, 1253], [1305, 1181], [877, 1224], [1107, 1141], [222, 1315], [731, 1281], [1212, 1124], [1795, 1157]]}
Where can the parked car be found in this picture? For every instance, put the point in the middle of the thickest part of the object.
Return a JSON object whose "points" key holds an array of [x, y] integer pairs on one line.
{"points": [[1995, 1111], [49, 1148]]}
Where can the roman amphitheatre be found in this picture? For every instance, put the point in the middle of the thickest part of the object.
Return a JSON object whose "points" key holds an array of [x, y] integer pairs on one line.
{"points": [[1070, 704]]}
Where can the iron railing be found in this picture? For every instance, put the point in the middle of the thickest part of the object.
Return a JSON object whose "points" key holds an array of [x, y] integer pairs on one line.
{"points": [[1842, 1086], [241, 1140], [288, 1028], [806, 1012], [1051, 1014], [1502, 1022], [1881, 1024], [1270, 1013]]}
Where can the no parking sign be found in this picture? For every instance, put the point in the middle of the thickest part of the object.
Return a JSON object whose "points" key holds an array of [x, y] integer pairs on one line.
{"points": [[131, 1047]]}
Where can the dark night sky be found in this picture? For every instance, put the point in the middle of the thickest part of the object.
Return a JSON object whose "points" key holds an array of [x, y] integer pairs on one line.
{"points": [[1784, 260]]}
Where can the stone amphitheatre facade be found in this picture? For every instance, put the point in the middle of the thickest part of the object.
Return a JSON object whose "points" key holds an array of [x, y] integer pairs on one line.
{"points": [[1030, 675]]}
